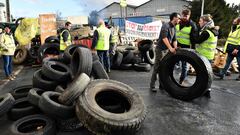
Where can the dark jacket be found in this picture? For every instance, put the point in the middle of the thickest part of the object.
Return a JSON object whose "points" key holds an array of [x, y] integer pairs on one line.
{"points": [[205, 35], [193, 33], [65, 34]]}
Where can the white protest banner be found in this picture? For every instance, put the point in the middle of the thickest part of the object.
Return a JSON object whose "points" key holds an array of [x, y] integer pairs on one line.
{"points": [[143, 31]]}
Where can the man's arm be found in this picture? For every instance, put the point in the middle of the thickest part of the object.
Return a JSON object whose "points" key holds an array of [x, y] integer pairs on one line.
{"points": [[65, 37], [175, 44], [167, 43], [2, 42], [175, 40], [203, 37], [95, 39], [193, 34]]}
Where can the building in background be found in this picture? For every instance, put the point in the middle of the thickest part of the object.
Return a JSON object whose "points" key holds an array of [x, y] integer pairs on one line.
{"points": [[147, 12]]}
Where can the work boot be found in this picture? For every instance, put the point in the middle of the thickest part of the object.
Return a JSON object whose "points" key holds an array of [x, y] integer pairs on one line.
{"points": [[207, 93], [13, 76], [152, 87], [10, 78]]}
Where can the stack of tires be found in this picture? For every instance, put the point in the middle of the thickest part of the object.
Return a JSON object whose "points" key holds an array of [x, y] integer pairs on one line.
{"points": [[147, 51], [64, 97], [127, 60], [36, 52]]}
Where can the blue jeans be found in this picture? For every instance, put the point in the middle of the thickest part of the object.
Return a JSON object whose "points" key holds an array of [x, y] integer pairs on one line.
{"points": [[104, 58], [184, 70], [230, 58], [7, 64]]}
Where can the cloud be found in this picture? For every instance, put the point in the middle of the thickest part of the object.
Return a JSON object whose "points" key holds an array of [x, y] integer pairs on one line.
{"points": [[32, 1]]}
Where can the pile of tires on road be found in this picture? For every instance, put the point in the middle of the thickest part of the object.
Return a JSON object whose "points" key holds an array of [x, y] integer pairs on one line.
{"points": [[36, 51], [70, 92], [138, 58]]}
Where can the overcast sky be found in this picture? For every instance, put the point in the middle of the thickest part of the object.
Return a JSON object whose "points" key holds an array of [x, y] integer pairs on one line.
{"points": [[32, 8]]}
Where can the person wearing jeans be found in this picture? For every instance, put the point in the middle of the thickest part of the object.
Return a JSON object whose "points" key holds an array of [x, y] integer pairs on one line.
{"points": [[101, 42], [167, 42], [186, 32], [7, 46], [207, 40], [232, 47]]}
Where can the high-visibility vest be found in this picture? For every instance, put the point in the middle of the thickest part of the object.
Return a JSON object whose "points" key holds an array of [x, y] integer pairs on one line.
{"points": [[103, 38], [207, 48], [7, 43], [233, 38], [62, 43], [114, 32], [183, 35]]}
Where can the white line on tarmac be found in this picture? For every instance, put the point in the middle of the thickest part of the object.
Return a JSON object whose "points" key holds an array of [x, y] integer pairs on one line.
{"points": [[19, 69]]}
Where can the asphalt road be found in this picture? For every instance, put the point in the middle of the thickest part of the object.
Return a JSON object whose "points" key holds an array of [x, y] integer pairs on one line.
{"points": [[219, 115]]}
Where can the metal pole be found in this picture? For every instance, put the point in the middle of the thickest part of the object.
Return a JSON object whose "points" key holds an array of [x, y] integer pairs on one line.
{"points": [[8, 11], [202, 7]]}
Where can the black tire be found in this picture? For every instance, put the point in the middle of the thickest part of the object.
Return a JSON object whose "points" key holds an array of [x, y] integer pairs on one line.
{"points": [[21, 91], [58, 111], [33, 125], [117, 59], [95, 57], [58, 59], [6, 103], [48, 48], [145, 67], [136, 60], [69, 125], [18, 21], [74, 90], [59, 89], [33, 52], [98, 71], [68, 52], [52, 39], [126, 66], [42, 82], [149, 56], [56, 71], [20, 55], [145, 45], [127, 57], [203, 70], [100, 93], [81, 61], [22, 108], [131, 48], [34, 95]]}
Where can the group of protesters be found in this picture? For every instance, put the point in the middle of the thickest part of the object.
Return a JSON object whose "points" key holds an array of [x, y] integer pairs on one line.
{"points": [[182, 32]]}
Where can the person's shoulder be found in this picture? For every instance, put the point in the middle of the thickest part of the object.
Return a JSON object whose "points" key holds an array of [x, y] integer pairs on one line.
{"points": [[192, 23]]}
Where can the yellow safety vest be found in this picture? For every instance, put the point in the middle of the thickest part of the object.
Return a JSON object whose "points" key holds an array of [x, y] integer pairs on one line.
{"points": [[7, 43], [183, 35], [207, 48], [103, 38], [62, 43], [233, 38], [114, 32]]}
